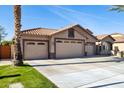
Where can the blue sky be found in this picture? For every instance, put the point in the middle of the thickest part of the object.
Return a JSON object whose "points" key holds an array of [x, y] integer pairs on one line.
{"points": [[97, 18]]}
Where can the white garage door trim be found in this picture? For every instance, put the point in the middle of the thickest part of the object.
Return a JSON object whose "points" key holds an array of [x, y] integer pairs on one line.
{"points": [[36, 42], [77, 41]]}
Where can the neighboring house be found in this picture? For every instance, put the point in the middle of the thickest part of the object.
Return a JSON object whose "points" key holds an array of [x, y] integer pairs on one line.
{"points": [[119, 41], [68, 42], [104, 44]]}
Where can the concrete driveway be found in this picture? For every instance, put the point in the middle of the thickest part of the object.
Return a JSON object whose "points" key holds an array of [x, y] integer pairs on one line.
{"points": [[95, 72]]}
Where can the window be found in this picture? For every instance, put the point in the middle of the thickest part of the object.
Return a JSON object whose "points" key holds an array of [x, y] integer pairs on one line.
{"points": [[40, 43], [59, 41], [79, 42], [66, 41], [71, 33], [73, 42], [30, 43]]}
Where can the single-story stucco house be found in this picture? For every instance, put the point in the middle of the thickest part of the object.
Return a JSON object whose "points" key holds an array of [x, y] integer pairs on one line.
{"points": [[119, 41], [104, 44], [68, 42]]}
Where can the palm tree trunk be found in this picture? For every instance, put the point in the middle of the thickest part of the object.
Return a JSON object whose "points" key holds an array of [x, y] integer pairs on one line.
{"points": [[17, 48]]}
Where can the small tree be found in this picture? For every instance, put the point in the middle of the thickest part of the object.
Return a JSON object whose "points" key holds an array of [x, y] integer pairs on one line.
{"points": [[2, 34]]}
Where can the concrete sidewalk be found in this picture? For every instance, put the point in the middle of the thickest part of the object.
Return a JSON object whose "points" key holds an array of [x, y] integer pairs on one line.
{"points": [[5, 62]]}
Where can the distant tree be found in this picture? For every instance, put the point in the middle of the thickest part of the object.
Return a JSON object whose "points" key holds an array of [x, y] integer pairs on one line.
{"points": [[118, 8], [5, 42], [2, 34]]}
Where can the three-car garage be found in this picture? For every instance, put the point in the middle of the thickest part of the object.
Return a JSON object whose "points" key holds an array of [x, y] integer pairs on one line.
{"points": [[69, 42]]}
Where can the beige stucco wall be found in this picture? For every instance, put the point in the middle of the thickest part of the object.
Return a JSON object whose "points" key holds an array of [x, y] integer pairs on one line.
{"points": [[63, 34], [85, 34], [119, 45]]}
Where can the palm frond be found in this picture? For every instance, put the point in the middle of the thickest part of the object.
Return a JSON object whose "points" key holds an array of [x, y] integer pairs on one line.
{"points": [[118, 8]]}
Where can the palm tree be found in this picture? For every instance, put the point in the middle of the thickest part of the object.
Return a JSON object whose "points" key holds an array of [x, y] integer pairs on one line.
{"points": [[118, 8], [17, 48]]}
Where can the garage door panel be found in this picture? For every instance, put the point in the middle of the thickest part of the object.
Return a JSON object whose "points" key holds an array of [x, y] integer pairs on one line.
{"points": [[89, 49], [36, 49], [69, 48]]}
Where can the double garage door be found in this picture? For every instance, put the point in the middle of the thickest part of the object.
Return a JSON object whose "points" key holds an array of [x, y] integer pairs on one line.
{"points": [[35, 49], [69, 48]]}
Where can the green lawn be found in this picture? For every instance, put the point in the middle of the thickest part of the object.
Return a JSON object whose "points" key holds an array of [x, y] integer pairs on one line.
{"points": [[27, 75]]}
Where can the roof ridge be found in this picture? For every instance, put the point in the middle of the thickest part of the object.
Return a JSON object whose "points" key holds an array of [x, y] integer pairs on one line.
{"points": [[37, 28], [31, 29], [116, 33], [89, 31], [48, 28], [67, 26], [102, 34]]}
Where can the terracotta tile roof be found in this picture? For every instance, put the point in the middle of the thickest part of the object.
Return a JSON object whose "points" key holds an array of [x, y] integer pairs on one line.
{"points": [[119, 39], [49, 32], [117, 34], [66, 27], [100, 37], [45, 31], [39, 31], [89, 31]]}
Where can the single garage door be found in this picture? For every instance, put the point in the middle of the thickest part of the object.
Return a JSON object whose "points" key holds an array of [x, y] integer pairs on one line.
{"points": [[69, 48], [89, 49], [35, 50]]}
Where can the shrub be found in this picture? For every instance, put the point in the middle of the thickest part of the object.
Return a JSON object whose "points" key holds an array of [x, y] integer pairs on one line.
{"points": [[5, 43]]}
